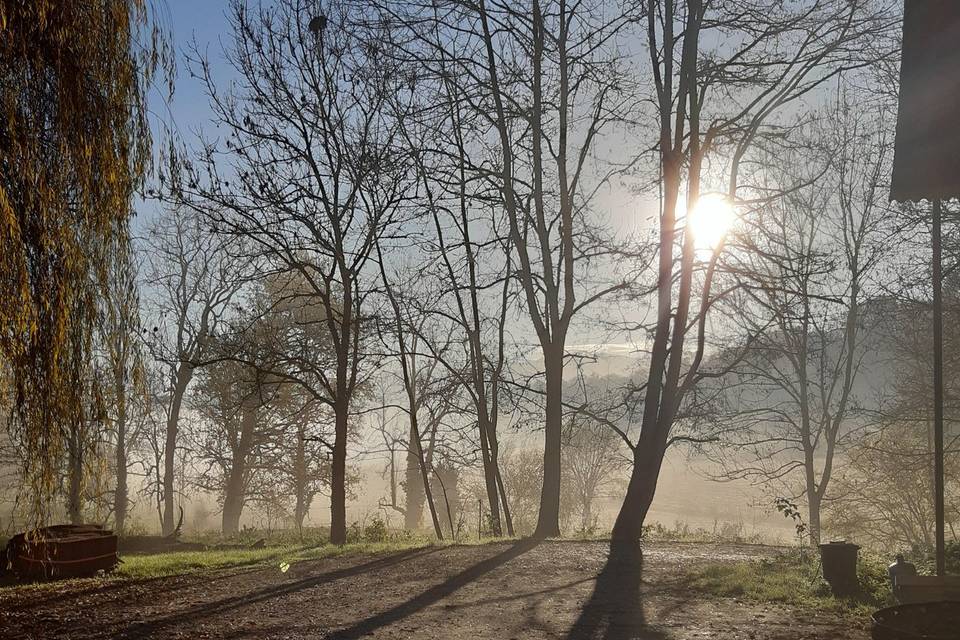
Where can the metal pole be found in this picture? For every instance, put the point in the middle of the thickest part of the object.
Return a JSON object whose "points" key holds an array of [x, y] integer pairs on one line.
{"points": [[938, 385]]}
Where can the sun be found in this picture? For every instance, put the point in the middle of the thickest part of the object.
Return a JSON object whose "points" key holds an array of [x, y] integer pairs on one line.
{"points": [[710, 219]]}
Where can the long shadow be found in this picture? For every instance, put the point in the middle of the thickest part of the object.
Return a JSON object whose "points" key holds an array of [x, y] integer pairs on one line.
{"points": [[434, 594], [520, 596], [615, 609], [208, 609]]}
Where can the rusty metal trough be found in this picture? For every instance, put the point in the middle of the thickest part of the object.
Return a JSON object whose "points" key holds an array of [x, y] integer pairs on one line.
{"points": [[62, 551], [918, 621]]}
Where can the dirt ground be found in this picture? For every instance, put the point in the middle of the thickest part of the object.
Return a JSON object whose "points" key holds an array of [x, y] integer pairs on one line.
{"points": [[504, 591]]}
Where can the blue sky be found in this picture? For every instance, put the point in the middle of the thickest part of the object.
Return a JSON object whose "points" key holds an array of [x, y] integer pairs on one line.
{"points": [[187, 110], [188, 20], [206, 22]]}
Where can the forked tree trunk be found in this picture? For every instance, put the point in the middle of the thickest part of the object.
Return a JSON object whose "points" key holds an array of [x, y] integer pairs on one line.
{"points": [[425, 480]]}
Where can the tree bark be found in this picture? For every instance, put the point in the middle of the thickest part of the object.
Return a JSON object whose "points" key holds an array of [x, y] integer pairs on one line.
{"points": [[120, 492], [628, 527], [413, 486], [489, 474], [75, 476], [548, 521], [813, 502], [183, 376], [235, 492], [338, 473]]}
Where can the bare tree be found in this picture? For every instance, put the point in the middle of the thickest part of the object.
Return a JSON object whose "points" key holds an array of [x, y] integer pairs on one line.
{"points": [[821, 246], [234, 437], [472, 302], [722, 72], [192, 276], [406, 354], [316, 172], [538, 84], [126, 395]]}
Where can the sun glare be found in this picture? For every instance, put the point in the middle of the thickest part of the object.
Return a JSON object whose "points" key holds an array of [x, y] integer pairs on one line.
{"points": [[710, 219]]}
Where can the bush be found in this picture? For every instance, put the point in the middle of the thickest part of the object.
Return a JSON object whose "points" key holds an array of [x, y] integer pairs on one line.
{"points": [[376, 531], [924, 558]]}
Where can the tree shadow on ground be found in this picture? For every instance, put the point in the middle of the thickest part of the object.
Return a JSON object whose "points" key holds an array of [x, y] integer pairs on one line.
{"points": [[615, 609], [434, 594], [210, 609]]}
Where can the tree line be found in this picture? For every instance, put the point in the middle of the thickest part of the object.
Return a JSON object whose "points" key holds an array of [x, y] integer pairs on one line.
{"points": [[405, 210]]}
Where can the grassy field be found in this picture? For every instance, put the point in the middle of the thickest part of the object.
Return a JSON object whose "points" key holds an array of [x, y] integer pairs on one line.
{"points": [[792, 580]]}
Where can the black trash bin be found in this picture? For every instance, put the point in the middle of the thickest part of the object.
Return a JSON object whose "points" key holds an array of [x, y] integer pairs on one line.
{"points": [[839, 561]]}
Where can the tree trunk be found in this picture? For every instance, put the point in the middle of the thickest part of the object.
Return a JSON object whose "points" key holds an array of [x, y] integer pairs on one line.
{"points": [[413, 486], [235, 493], [548, 521], [586, 515], [428, 493], [232, 508], [75, 476], [814, 522], [503, 500], [448, 479], [182, 379], [489, 474], [647, 461], [120, 493], [813, 498], [338, 474], [300, 479]]}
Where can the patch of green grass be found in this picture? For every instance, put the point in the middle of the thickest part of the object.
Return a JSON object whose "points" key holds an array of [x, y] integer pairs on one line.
{"points": [[787, 579], [160, 565], [177, 563]]}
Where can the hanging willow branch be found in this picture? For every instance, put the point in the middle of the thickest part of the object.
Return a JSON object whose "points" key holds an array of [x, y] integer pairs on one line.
{"points": [[74, 147]]}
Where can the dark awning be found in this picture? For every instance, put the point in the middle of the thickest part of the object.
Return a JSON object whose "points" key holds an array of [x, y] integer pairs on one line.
{"points": [[926, 162]]}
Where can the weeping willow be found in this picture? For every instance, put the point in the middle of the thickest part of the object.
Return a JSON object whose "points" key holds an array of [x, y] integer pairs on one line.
{"points": [[74, 148]]}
